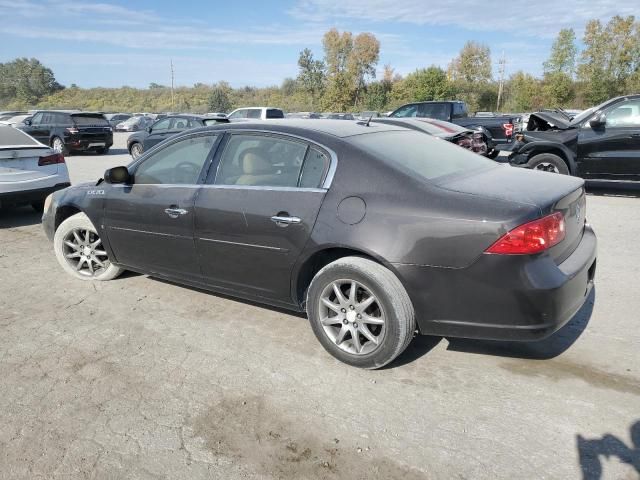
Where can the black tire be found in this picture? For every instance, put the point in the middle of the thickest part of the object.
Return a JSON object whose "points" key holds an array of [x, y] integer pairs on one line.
{"points": [[63, 149], [38, 206], [136, 149], [548, 162], [493, 154], [394, 302]]}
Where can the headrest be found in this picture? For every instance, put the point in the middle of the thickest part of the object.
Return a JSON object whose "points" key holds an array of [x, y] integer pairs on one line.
{"points": [[254, 164]]}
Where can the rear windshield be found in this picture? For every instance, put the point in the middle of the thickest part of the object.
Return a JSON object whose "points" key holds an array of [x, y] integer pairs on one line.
{"points": [[274, 113], [420, 154], [90, 120], [10, 136]]}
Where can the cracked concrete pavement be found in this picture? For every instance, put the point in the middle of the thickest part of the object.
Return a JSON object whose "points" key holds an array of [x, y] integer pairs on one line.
{"points": [[140, 378]]}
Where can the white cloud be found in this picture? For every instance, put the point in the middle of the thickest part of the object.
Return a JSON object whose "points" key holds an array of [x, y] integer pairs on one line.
{"points": [[537, 18]]}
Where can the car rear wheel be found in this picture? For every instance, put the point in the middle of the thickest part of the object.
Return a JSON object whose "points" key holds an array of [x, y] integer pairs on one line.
{"points": [[103, 151], [80, 252], [360, 312], [493, 154], [548, 162], [58, 146], [136, 150]]}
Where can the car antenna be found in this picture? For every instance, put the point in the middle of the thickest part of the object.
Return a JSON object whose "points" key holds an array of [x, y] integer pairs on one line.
{"points": [[370, 117]]}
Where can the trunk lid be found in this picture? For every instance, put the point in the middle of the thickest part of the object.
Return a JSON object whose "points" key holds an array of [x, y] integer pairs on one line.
{"points": [[543, 192], [18, 165]]}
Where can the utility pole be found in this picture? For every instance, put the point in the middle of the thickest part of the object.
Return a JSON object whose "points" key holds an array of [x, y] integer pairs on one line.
{"points": [[172, 84], [502, 63]]}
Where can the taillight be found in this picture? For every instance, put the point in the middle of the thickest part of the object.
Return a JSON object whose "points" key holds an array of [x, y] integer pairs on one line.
{"points": [[532, 237], [72, 130], [51, 159], [508, 129]]}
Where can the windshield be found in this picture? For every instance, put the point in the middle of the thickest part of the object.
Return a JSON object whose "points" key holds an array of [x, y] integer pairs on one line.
{"points": [[90, 120], [421, 155], [581, 117]]}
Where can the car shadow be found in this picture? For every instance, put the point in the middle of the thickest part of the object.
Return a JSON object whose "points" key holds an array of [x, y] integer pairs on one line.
{"points": [[612, 189], [545, 349], [117, 151], [12, 217], [608, 446]]}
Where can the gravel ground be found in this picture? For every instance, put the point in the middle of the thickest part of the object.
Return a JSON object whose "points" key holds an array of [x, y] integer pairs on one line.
{"points": [[139, 378]]}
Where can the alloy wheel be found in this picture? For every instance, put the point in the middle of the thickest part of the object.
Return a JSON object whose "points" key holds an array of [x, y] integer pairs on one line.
{"points": [[136, 150], [58, 146], [547, 167], [82, 249], [352, 317]]}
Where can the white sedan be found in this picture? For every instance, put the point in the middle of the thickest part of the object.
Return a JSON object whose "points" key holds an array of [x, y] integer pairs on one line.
{"points": [[29, 170]]}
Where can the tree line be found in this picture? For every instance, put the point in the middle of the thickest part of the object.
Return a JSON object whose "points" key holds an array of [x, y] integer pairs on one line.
{"points": [[345, 79]]}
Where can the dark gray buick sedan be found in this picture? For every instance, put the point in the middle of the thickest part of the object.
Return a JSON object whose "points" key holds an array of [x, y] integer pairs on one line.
{"points": [[377, 231]]}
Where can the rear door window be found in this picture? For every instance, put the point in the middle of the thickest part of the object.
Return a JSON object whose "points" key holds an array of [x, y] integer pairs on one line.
{"points": [[434, 110], [261, 160]]}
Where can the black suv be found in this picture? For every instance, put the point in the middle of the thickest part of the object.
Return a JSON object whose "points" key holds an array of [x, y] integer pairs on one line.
{"points": [[141, 141], [601, 143], [66, 132]]}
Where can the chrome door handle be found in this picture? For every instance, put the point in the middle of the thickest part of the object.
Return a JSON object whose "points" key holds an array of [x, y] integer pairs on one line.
{"points": [[283, 221], [175, 212]]}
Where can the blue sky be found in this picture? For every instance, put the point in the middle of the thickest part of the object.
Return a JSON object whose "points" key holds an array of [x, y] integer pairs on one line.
{"points": [[253, 42]]}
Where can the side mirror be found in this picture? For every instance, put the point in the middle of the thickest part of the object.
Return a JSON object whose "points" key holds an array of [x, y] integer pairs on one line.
{"points": [[598, 121], [117, 175], [27, 121]]}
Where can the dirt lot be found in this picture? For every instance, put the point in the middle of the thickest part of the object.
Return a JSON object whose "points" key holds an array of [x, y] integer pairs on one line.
{"points": [[138, 378]]}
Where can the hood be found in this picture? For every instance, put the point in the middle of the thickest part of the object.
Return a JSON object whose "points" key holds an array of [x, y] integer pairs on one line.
{"points": [[566, 137], [550, 120]]}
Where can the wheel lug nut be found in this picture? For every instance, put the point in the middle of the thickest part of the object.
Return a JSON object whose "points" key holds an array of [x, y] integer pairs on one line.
{"points": [[359, 316], [351, 307], [343, 310], [355, 325], [345, 321]]}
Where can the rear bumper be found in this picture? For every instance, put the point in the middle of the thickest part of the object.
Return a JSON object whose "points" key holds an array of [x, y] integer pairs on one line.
{"points": [[93, 144], [502, 297], [29, 196]]}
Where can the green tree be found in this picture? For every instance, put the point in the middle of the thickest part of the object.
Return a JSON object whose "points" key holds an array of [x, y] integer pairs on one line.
{"points": [[219, 100], [563, 53], [610, 57], [523, 92], [311, 75], [25, 81], [472, 65], [362, 61]]}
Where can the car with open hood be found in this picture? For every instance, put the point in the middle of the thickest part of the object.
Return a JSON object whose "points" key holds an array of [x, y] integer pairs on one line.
{"points": [[601, 143], [376, 231]]}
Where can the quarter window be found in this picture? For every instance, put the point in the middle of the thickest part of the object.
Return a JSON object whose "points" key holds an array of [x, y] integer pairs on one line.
{"points": [[261, 161], [626, 114], [178, 163], [314, 169]]}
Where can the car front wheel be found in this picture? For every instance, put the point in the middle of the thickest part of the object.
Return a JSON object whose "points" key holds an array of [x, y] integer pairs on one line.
{"points": [[360, 312], [80, 252]]}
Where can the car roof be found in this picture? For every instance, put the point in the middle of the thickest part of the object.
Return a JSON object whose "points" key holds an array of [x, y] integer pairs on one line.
{"points": [[336, 128]]}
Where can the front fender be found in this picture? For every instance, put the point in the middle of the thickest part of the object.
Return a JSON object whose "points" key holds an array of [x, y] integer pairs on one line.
{"points": [[530, 149]]}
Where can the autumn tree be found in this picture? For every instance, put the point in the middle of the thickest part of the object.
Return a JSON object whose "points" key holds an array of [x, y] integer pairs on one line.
{"points": [[523, 92], [471, 74], [349, 62]]}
